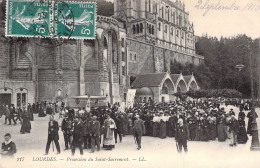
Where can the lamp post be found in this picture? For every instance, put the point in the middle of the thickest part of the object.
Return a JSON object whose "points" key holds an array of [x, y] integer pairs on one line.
{"points": [[255, 140], [239, 67]]}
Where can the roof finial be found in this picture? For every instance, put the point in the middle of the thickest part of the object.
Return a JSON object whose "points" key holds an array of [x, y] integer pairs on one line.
{"points": [[192, 73], [181, 72]]}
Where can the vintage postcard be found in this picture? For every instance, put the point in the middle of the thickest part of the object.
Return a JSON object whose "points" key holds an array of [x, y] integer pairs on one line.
{"points": [[129, 83]]}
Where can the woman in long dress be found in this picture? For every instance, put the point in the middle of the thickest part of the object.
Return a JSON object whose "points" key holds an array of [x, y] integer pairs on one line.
{"points": [[156, 126], [228, 118], [125, 124], [162, 127], [212, 128], [198, 136], [109, 139], [26, 124], [222, 135], [205, 129], [242, 135]]}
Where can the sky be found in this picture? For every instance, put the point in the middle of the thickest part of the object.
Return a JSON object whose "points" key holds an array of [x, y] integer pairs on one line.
{"points": [[237, 17]]}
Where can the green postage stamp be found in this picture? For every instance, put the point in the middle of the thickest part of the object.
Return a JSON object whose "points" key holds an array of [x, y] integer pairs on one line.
{"points": [[76, 20]]}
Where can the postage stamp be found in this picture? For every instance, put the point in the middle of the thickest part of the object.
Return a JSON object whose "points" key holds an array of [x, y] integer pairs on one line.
{"points": [[51, 19], [75, 19], [27, 18]]}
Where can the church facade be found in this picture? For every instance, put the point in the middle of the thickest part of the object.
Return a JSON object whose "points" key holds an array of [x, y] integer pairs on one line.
{"points": [[143, 36]]}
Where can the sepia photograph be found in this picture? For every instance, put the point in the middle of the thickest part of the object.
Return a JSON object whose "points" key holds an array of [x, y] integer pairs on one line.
{"points": [[129, 83]]}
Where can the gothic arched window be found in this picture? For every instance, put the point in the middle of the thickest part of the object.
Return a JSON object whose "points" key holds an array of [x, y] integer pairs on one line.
{"points": [[137, 29], [134, 29], [141, 28], [164, 90]]}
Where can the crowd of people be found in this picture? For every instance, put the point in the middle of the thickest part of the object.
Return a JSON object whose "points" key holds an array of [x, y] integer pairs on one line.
{"points": [[200, 120]]}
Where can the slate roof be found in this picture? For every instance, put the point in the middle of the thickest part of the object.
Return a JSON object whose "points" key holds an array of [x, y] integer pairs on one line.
{"points": [[175, 77], [155, 79], [149, 80], [187, 78]]}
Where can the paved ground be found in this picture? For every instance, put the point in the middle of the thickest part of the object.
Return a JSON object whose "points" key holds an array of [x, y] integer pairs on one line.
{"points": [[156, 152]]}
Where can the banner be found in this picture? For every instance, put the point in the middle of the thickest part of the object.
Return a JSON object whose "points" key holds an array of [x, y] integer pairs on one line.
{"points": [[88, 105], [130, 98], [122, 107]]}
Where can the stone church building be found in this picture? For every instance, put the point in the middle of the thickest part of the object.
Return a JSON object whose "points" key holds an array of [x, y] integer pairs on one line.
{"points": [[138, 43]]}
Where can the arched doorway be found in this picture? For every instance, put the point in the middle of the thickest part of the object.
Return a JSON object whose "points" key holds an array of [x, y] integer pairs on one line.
{"points": [[110, 58], [181, 86], [167, 90], [21, 97], [193, 86], [6, 96]]}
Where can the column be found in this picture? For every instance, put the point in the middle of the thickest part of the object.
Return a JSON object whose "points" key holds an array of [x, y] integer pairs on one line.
{"points": [[82, 85], [34, 72], [110, 67]]}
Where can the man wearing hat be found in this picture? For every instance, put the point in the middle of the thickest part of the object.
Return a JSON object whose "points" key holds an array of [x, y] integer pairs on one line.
{"points": [[139, 130], [53, 135], [77, 136], [94, 130], [181, 136], [66, 127]]}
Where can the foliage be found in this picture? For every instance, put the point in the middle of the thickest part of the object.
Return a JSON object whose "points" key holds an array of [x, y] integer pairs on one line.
{"points": [[2, 11], [219, 68], [105, 8], [227, 93]]}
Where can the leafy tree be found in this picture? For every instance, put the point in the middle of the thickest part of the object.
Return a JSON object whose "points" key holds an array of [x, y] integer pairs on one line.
{"points": [[221, 58]]}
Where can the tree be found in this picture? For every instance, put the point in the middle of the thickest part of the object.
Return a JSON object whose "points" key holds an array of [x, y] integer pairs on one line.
{"points": [[105, 8], [221, 57]]}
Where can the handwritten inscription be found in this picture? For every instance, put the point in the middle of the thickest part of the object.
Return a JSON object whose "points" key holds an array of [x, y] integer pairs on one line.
{"points": [[220, 5]]}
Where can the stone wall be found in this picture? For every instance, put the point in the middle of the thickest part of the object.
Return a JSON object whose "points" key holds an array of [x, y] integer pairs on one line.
{"points": [[4, 56], [153, 59], [144, 62], [14, 87]]}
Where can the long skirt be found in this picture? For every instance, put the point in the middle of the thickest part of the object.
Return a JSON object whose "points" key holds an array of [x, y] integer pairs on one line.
{"points": [[109, 140], [198, 136], [205, 134], [155, 129], [212, 132], [125, 129], [222, 135], [147, 127], [149, 131], [162, 130], [242, 136], [192, 133], [26, 126]]}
